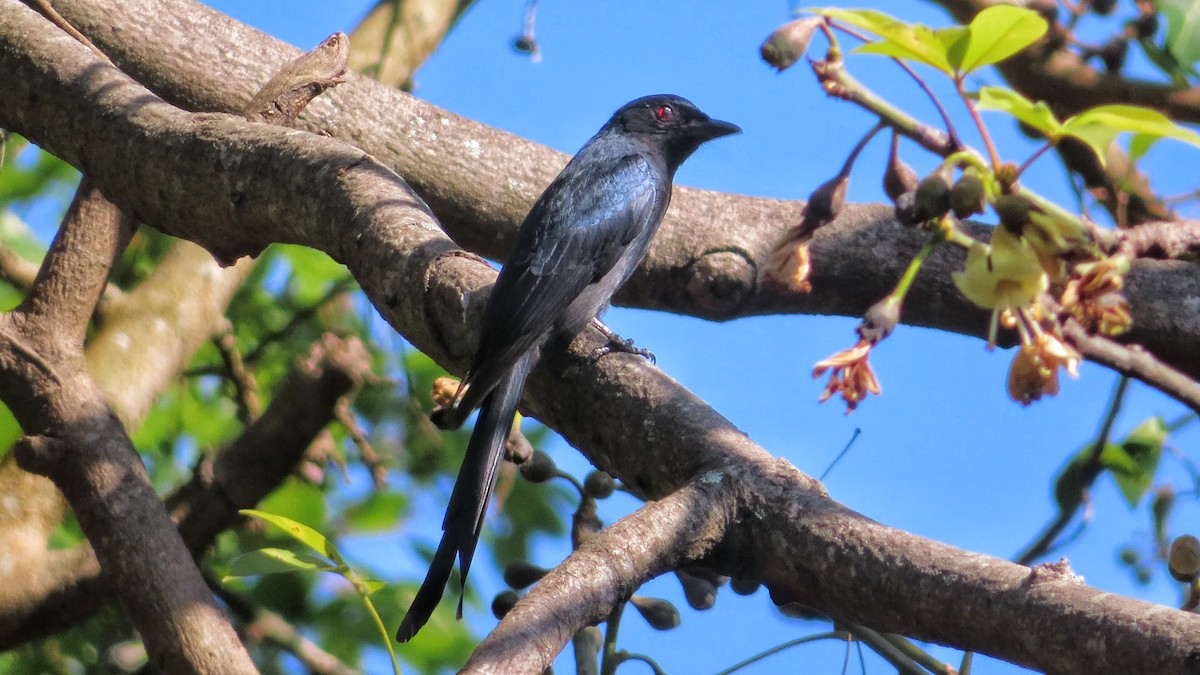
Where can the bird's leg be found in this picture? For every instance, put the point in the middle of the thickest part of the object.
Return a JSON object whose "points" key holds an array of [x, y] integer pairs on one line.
{"points": [[616, 343]]}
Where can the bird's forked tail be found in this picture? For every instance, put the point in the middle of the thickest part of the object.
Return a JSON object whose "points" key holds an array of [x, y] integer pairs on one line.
{"points": [[469, 501]]}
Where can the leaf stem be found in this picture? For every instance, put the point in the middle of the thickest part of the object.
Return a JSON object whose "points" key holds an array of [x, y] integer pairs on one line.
{"points": [[1092, 470], [983, 132], [830, 635], [936, 237]]}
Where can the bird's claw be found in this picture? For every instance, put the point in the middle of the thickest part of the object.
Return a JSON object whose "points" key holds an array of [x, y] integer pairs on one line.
{"points": [[621, 345]]}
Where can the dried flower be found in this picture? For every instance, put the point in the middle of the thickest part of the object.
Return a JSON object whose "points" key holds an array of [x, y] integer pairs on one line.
{"points": [[1034, 371], [789, 266], [1093, 296], [445, 390], [851, 376]]}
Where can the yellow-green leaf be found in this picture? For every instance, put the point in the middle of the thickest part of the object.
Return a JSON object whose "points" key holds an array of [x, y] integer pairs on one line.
{"points": [[1134, 461], [298, 531], [274, 561], [898, 39], [1183, 28], [1036, 115], [995, 34], [1099, 126]]}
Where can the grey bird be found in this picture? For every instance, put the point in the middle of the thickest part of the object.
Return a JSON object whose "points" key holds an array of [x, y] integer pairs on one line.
{"points": [[583, 238]]}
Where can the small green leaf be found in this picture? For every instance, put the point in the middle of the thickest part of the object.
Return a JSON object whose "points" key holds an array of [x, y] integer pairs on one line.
{"points": [[995, 34], [1070, 484], [1183, 28], [1140, 144], [275, 561], [372, 585], [1099, 126], [1036, 115], [380, 511], [298, 531], [1134, 461], [913, 42]]}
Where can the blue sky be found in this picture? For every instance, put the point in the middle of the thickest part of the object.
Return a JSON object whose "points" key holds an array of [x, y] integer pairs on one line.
{"points": [[943, 453]]}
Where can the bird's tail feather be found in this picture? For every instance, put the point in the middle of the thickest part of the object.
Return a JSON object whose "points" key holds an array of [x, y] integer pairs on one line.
{"points": [[469, 501]]}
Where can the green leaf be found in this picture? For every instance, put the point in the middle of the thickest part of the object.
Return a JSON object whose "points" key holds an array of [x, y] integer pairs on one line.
{"points": [[995, 34], [10, 430], [298, 531], [913, 42], [275, 561], [1036, 115], [1183, 28], [313, 272], [380, 511], [1069, 486], [372, 585], [299, 500], [1134, 461], [1099, 126], [1140, 144]]}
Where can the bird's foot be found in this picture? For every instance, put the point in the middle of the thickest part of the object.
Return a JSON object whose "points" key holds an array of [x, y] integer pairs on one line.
{"points": [[620, 345], [616, 343]]}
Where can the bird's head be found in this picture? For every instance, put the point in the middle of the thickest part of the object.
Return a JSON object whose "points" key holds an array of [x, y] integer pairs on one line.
{"points": [[671, 123]]}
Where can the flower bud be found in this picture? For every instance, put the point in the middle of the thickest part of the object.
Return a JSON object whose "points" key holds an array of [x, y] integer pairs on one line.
{"points": [[880, 320], [522, 574], [701, 593], [824, 205], [968, 196], [599, 485], [744, 586], [659, 613], [1184, 561], [906, 209], [788, 43], [899, 177], [932, 199], [503, 603], [539, 469], [1013, 211]]}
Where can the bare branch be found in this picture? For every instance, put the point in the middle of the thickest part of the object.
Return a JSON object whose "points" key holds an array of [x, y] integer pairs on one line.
{"points": [[481, 182], [238, 477], [433, 293], [77, 442], [604, 571]]}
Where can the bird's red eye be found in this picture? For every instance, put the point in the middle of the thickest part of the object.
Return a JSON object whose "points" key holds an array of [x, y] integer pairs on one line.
{"points": [[664, 113]]}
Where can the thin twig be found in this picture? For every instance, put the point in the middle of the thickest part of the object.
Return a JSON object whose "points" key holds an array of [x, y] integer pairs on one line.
{"points": [[1091, 470], [246, 387], [52, 14]]}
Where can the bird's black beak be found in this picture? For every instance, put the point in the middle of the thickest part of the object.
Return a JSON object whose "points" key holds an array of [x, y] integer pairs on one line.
{"points": [[707, 129]]}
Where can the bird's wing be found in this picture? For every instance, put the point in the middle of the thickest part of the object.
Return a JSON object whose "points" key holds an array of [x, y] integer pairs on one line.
{"points": [[573, 236]]}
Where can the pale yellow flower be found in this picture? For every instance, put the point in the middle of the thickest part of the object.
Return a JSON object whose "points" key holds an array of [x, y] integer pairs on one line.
{"points": [[1005, 275]]}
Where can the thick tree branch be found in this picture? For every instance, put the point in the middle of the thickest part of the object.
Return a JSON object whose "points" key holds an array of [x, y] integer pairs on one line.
{"points": [[628, 417], [481, 182], [605, 570], [61, 595], [238, 477], [76, 441]]}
